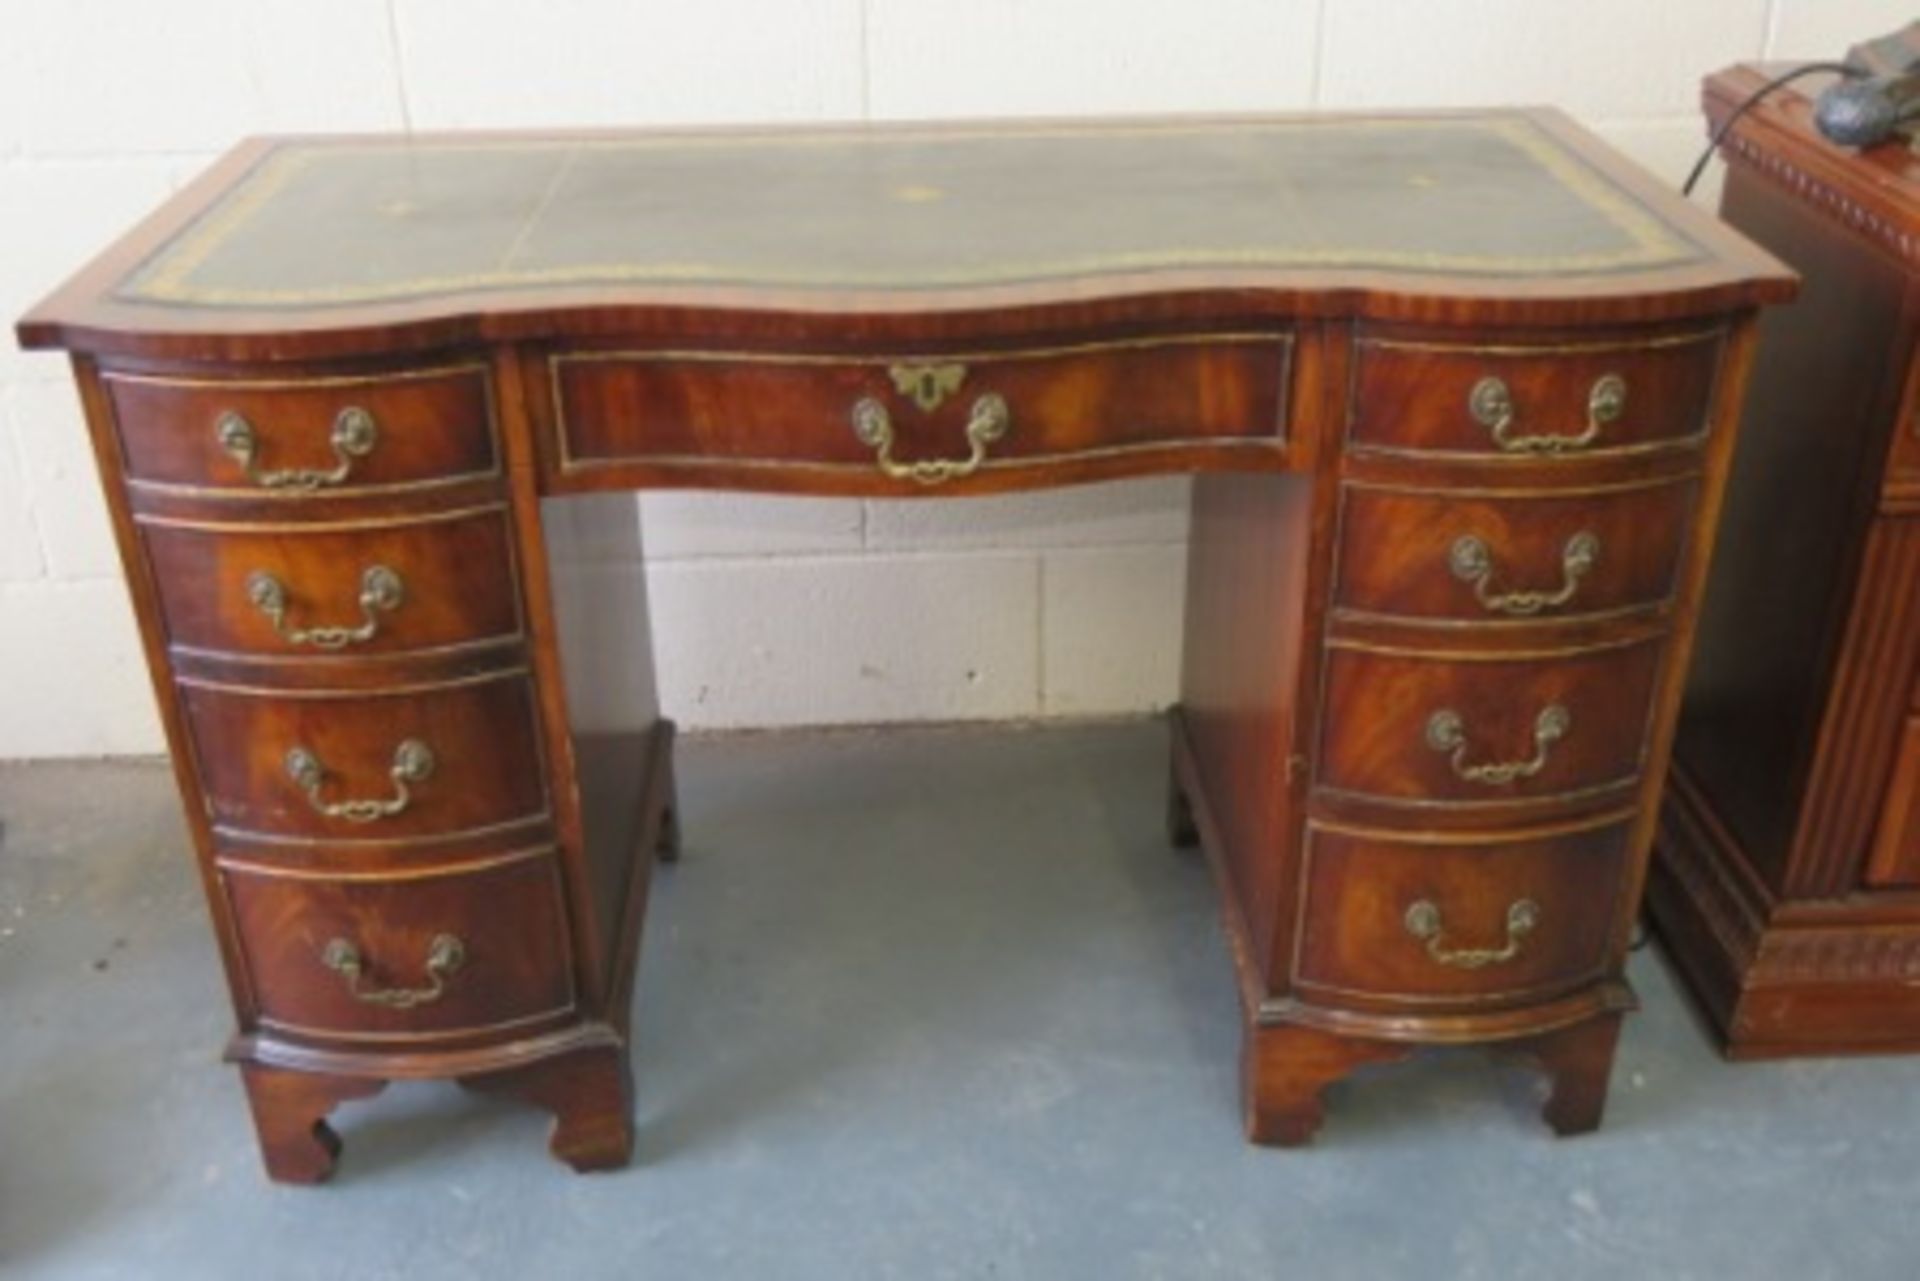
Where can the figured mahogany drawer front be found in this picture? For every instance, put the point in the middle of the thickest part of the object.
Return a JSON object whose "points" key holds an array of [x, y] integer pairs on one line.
{"points": [[335, 766], [1491, 920], [303, 438], [296, 593], [926, 418], [1484, 557], [428, 956], [1520, 402], [1464, 729]]}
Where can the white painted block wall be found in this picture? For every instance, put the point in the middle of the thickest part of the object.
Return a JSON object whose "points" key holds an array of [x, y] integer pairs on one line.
{"points": [[768, 611]]}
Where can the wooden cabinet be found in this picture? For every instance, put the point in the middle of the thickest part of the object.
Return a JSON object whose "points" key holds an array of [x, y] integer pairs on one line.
{"points": [[1787, 886]]}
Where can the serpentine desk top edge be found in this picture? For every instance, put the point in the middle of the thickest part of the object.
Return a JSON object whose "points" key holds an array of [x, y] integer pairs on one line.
{"points": [[298, 247]]}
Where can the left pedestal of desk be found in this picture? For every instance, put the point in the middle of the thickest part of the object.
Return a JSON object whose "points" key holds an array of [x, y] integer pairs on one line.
{"points": [[413, 867]]}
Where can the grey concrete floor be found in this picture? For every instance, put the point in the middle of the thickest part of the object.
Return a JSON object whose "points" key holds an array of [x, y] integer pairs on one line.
{"points": [[916, 1004]]}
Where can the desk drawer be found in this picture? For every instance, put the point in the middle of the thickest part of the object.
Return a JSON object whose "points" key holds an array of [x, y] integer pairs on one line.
{"points": [[375, 589], [334, 766], [931, 417], [442, 955], [1497, 919], [1525, 402], [1486, 557], [1469, 729], [298, 438]]}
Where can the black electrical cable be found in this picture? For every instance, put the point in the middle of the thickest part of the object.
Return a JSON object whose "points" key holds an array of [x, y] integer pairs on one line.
{"points": [[1754, 99]]}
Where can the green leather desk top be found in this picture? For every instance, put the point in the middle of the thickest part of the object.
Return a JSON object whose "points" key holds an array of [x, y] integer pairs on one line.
{"points": [[326, 222]]}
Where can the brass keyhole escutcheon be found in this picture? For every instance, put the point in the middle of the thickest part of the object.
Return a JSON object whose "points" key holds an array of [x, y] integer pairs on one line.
{"points": [[927, 385]]}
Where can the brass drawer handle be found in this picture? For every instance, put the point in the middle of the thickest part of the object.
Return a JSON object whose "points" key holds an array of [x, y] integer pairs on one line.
{"points": [[354, 436], [1447, 732], [1491, 404], [987, 423], [1472, 562], [381, 592], [445, 954], [1424, 923], [412, 762]]}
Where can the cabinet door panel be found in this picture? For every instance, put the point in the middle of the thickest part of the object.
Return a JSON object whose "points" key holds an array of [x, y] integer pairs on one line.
{"points": [[1896, 847]]}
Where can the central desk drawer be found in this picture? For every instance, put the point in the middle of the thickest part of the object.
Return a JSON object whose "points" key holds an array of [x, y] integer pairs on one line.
{"points": [[460, 951], [1424, 729], [937, 413], [300, 592], [335, 766]]}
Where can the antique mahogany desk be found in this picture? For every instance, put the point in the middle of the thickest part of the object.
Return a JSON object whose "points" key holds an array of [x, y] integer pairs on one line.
{"points": [[1461, 388]]}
